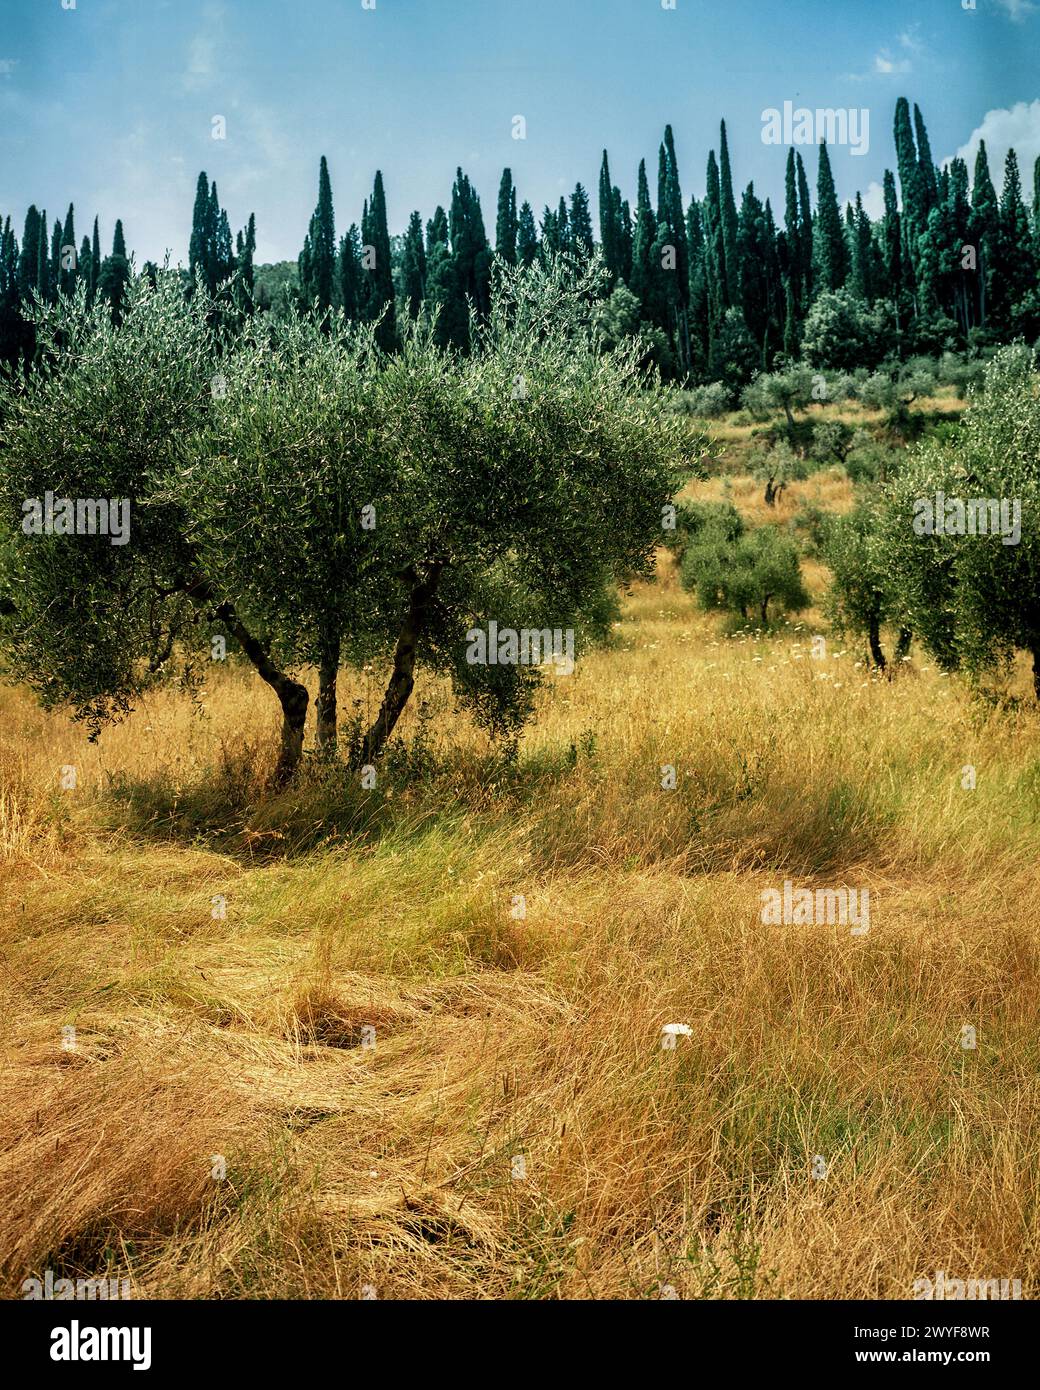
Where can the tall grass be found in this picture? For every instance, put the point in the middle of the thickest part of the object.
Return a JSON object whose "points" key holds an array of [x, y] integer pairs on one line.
{"points": [[517, 1130]]}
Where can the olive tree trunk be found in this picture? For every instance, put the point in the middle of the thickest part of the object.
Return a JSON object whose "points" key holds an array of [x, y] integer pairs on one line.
{"points": [[326, 707], [292, 696], [402, 678]]}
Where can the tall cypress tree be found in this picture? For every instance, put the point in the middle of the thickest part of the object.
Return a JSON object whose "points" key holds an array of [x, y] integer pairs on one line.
{"points": [[608, 230], [892, 249], [95, 263], [443, 293], [580, 223], [200, 247], [985, 224], [715, 250], [376, 236], [54, 272], [43, 263], [67, 278], [115, 274], [29, 260], [349, 273], [729, 219], [526, 236], [469, 246], [805, 228], [413, 266], [791, 258], [864, 271], [505, 223], [698, 286], [318, 259], [644, 278], [832, 255], [1014, 267], [563, 225], [929, 191], [670, 214]]}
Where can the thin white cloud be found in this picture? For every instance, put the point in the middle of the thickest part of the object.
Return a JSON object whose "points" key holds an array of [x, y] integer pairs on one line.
{"points": [[887, 66], [1016, 128], [7, 66], [1017, 10], [911, 39]]}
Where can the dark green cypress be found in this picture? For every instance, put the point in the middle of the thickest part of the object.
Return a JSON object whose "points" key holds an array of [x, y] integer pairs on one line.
{"points": [[67, 277], [505, 223], [95, 263], [715, 250], [929, 190], [729, 219], [28, 260], [643, 283], [381, 274], [349, 273], [892, 249], [318, 259], [526, 236], [1014, 267], [608, 229], [469, 246], [413, 265], [832, 255], [985, 225], [581, 223], [200, 256], [115, 274], [443, 293], [805, 228]]}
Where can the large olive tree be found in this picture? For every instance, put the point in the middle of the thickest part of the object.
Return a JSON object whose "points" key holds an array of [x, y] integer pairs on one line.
{"points": [[327, 504]]}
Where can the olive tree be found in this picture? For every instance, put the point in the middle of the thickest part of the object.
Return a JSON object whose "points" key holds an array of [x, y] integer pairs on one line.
{"points": [[961, 528], [744, 573], [323, 504]]}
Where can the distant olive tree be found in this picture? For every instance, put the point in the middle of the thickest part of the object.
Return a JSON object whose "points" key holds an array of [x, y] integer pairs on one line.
{"points": [[745, 574]]}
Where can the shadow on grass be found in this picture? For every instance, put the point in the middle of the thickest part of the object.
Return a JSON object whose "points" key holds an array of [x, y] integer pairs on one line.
{"points": [[229, 807]]}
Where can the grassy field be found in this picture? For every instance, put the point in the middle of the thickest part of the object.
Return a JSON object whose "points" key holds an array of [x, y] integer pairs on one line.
{"points": [[218, 1126]]}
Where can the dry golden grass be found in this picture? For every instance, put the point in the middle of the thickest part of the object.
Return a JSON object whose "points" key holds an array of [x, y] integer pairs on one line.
{"points": [[499, 1040]]}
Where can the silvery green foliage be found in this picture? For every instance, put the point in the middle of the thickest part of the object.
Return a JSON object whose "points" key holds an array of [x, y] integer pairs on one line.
{"points": [[522, 483], [973, 600], [109, 413]]}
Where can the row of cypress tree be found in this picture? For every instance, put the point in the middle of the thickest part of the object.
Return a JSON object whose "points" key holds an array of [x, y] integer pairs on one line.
{"points": [[950, 261], [49, 265]]}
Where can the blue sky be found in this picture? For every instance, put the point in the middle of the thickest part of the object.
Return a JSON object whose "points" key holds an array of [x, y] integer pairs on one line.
{"points": [[111, 104]]}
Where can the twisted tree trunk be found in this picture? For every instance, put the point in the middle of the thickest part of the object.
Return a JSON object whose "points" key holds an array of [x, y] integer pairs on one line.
{"points": [[402, 678], [292, 696]]}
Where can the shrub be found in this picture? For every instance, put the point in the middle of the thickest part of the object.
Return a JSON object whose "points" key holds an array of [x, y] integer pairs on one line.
{"points": [[747, 574]]}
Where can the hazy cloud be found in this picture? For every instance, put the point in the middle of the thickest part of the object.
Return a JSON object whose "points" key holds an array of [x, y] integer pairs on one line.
{"points": [[1018, 128]]}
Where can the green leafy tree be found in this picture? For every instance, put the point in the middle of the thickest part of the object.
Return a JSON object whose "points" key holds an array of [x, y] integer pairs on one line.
{"points": [[969, 592]]}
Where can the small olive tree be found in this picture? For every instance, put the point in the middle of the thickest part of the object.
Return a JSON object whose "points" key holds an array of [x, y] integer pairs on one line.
{"points": [[746, 573]]}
